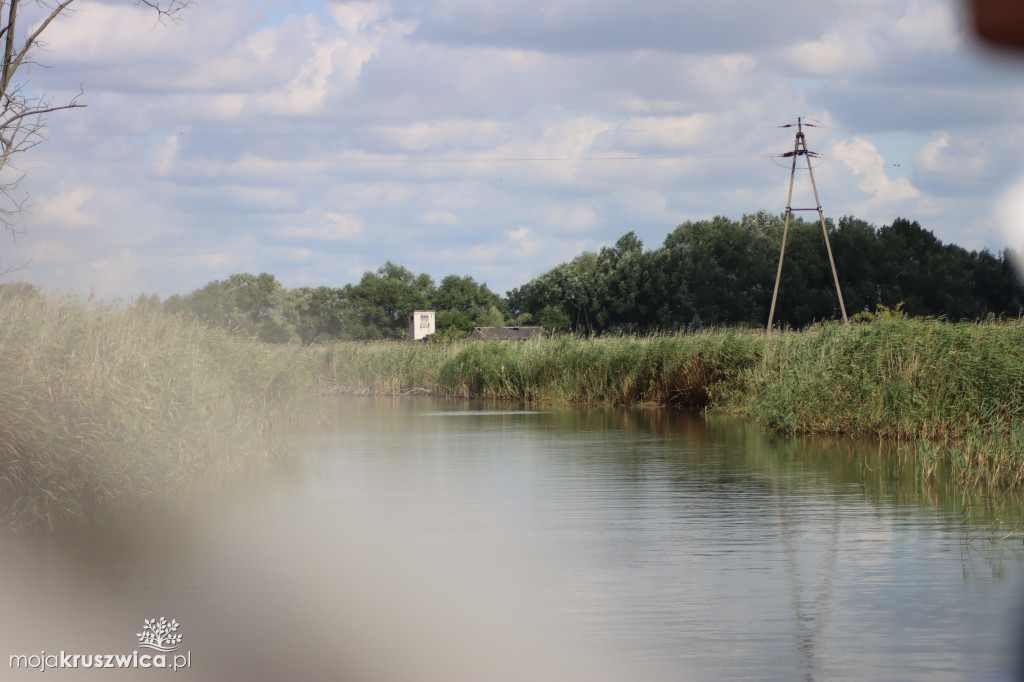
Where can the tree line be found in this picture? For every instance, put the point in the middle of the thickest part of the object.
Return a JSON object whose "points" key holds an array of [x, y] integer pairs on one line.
{"points": [[722, 272], [706, 273], [377, 307]]}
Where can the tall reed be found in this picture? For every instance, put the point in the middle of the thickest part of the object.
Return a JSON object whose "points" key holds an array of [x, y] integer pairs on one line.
{"points": [[902, 378], [955, 388], [99, 403], [662, 369], [958, 386]]}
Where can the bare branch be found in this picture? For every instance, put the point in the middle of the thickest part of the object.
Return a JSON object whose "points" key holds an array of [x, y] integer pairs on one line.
{"points": [[39, 112], [10, 68], [167, 11], [22, 117]]}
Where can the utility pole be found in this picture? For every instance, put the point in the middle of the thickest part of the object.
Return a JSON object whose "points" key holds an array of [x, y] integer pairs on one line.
{"points": [[800, 149]]}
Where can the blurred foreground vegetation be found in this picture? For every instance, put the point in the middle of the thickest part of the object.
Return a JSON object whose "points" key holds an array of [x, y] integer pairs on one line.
{"points": [[100, 404]]}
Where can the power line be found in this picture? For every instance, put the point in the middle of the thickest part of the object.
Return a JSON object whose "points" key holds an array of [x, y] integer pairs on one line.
{"points": [[393, 133], [804, 121], [404, 160], [905, 168]]}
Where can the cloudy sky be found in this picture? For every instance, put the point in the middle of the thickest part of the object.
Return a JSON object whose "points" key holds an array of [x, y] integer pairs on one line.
{"points": [[318, 139]]}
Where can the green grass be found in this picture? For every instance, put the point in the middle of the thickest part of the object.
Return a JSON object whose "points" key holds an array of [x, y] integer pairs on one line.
{"points": [[900, 378]]}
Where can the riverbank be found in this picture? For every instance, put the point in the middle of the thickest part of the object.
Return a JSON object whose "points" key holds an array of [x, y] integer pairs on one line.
{"points": [[956, 390], [100, 404]]}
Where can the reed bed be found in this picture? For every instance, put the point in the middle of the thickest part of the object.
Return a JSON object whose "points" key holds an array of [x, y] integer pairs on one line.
{"points": [[898, 378], [661, 369], [954, 390], [99, 403], [381, 367]]}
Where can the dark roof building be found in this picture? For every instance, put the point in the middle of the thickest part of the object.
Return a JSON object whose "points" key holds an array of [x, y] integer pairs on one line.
{"points": [[506, 333]]}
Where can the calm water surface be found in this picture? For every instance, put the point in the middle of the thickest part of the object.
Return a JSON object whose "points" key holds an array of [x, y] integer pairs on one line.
{"points": [[428, 540]]}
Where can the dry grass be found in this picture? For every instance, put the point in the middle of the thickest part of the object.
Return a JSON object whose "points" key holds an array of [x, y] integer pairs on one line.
{"points": [[100, 404]]}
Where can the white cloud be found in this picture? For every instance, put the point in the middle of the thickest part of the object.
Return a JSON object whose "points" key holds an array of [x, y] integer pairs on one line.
{"points": [[963, 157], [440, 217], [257, 197], [214, 261], [114, 272], [298, 254], [66, 211], [573, 218], [863, 159], [333, 227], [837, 52], [307, 90], [356, 17], [524, 242], [166, 153], [928, 27]]}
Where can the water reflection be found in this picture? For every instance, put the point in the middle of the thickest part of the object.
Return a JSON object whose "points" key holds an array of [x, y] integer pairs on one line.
{"points": [[423, 539]]}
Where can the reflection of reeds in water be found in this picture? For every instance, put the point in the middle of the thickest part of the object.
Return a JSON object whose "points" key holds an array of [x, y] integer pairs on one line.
{"points": [[99, 403]]}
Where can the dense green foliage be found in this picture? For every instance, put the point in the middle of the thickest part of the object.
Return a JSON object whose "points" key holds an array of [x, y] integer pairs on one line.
{"points": [[706, 273], [682, 370], [378, 307], [722, 272]]}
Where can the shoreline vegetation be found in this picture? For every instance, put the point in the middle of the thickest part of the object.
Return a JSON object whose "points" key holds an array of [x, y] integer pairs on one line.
{"points": [[102, 404]]}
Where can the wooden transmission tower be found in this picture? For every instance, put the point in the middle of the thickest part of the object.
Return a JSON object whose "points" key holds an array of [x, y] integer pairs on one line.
{"points": [[800, 149]]}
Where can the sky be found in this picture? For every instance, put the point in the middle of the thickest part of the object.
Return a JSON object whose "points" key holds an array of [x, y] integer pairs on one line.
{"points": [[318, 140]]}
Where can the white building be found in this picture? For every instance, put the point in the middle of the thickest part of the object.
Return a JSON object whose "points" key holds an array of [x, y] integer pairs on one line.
{"points": [[422, 323]]}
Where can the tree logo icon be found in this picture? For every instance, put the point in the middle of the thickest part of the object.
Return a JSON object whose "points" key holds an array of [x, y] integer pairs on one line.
{"points": [[159, 634]]}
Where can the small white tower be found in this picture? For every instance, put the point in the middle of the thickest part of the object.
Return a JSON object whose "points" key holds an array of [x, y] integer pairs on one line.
{"points": [[422, 323]]}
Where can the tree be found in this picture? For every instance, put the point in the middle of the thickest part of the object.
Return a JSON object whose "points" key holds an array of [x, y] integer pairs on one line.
{"points": [[383, 300], [317, 314], [703, 271], [562, 298], [909, 259], [623, 293], [250, 305], [855, 245], [462, 304], [996, 283], [22, 112]]}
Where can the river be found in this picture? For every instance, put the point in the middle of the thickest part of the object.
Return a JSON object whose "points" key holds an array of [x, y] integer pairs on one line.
{"points": [[421, 539]]}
